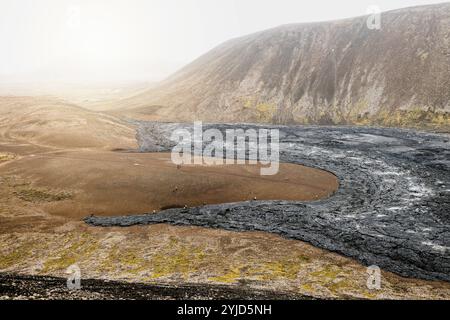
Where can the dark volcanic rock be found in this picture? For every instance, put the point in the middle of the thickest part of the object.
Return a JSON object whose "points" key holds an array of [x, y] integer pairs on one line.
{"points": [[392, 208], [22, 287]]}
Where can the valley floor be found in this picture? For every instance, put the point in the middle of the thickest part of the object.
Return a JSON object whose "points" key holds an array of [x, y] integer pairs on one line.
{"points": [[47, 184]]}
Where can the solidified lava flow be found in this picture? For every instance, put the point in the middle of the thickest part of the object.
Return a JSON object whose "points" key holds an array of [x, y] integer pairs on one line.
{"points": [[392, 208]]}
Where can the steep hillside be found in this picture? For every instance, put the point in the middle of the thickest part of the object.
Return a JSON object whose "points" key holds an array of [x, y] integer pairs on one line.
{"points": [[332, 72]]}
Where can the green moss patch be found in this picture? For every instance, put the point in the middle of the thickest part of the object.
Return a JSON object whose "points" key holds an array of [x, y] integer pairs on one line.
{"points": [[73, 250], [41, 195], [6, 156]]}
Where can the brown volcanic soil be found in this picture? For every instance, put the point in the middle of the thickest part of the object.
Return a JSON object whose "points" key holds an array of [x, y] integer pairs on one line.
{"points": [[111, 183], [55, 123]]}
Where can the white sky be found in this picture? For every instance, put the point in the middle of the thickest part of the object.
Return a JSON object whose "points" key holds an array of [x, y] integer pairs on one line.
{"points": [[141, 40]]}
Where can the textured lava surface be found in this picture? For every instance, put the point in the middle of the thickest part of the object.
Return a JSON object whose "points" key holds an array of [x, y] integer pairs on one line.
{"points": [[392, 208]]}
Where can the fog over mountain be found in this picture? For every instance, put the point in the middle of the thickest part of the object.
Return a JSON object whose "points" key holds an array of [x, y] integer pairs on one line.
{"points": [[319, 73]]}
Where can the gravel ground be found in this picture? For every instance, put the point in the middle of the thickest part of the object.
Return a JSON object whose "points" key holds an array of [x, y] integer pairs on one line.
{"points": [[20, 287], [392, 208]]}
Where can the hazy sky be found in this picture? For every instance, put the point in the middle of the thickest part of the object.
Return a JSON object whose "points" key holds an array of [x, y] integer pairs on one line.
{"points": [[128, 40]]}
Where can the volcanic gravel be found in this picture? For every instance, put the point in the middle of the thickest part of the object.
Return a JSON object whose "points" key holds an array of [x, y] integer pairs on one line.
{"points": [[23, 287], [392, 208]]}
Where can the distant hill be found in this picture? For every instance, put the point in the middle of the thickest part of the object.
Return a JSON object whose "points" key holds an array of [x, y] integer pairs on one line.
{"points": [[51, 122], [337, 72]]}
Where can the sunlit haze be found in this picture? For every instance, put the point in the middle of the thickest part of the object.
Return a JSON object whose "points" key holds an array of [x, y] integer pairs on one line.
{"points": [[136, 40]]}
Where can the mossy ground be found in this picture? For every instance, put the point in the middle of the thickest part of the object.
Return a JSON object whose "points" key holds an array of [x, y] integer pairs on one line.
{"points": [[12, 256], [74, 248], [416, 118], [6, 156], [29, 194], [263, 112], [179, 260]]}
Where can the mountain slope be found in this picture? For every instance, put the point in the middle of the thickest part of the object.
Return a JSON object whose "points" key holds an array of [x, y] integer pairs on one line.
{"points": [[332, 72]]}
